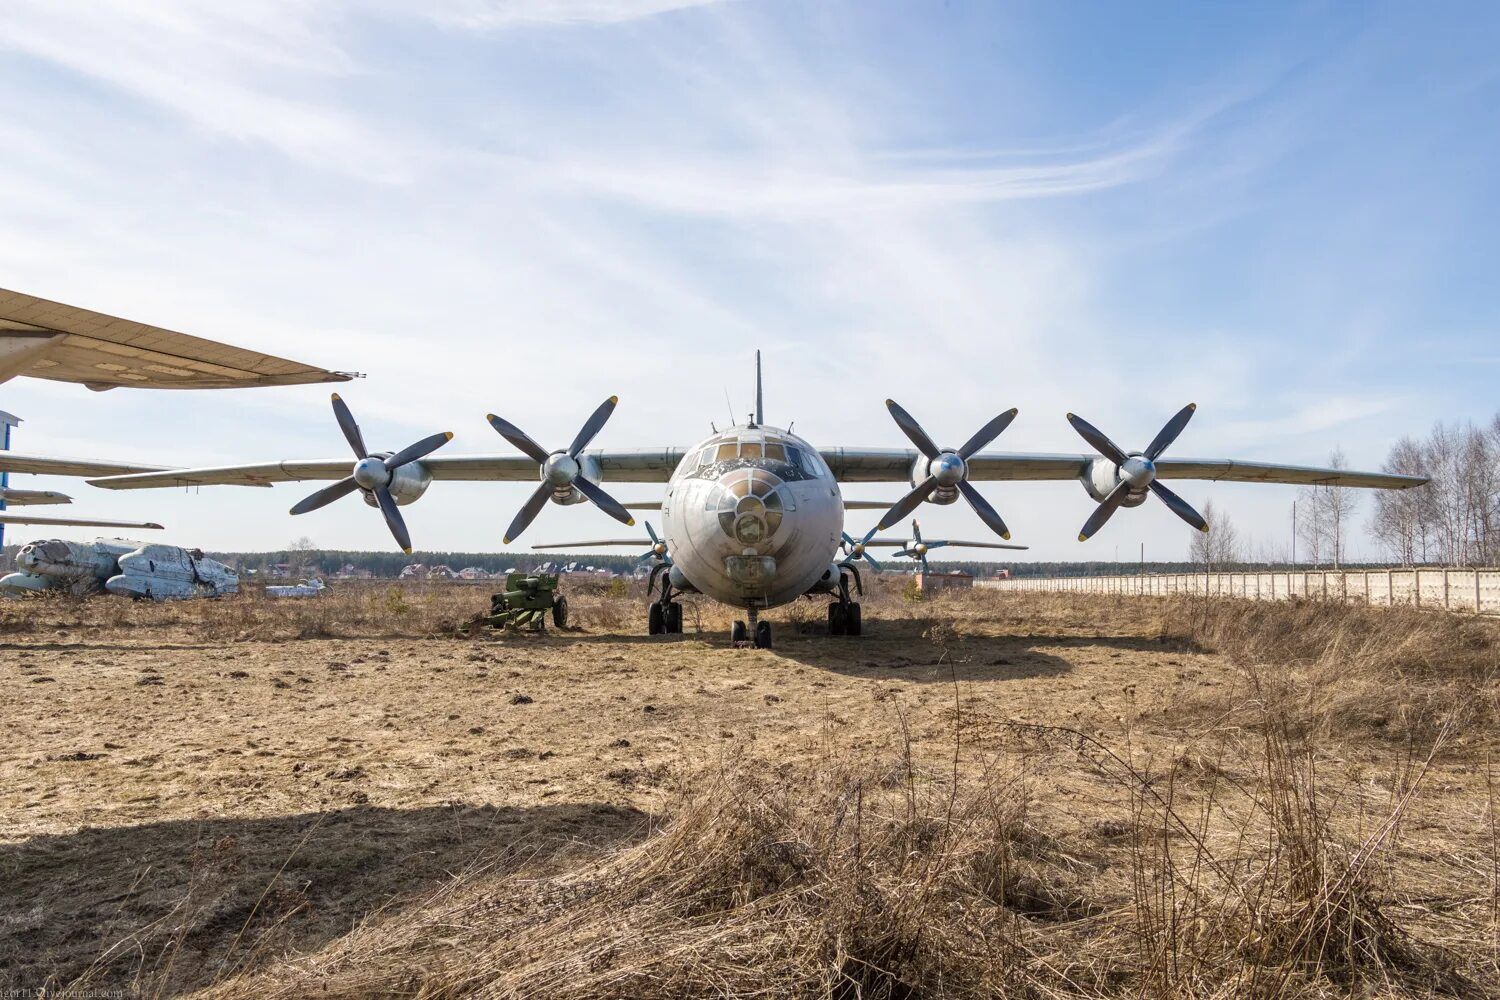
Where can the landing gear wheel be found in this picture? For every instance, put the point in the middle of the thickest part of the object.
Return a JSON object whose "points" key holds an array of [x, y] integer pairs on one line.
{"points": [[737, 633], [762, 635], [560, 611], [655, 621], [853, 620], [837, 620], [673, 619]]}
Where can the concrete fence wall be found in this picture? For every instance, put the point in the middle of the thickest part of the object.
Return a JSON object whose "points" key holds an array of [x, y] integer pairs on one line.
{"points": [[1475, 590]]}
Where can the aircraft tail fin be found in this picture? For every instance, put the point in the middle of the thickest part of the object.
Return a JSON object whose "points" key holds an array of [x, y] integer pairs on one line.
{"points": [[760, 412]]}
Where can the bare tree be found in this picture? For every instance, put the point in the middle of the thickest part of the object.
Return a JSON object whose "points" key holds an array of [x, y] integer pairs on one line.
{"points": [[1324, 514], [1219, 545], [1401, 523], [1455, 518]]}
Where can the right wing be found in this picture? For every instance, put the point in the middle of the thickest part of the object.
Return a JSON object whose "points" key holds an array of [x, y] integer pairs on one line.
{"points": [[636, 542], [77, 522], [901, 543], [652, 465]]}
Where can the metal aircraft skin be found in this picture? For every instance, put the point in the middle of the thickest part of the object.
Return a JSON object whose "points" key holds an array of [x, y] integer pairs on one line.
{"points": [[119, 566], [50, 340]]}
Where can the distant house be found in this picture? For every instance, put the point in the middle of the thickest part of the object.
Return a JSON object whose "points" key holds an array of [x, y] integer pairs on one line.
{"points": [[473, 573], [930, 583], [412, 571], [441, 572]]}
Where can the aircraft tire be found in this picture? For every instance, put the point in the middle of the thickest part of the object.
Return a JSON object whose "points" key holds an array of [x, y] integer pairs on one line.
{"points": [[837, 622], [763, 635], [655, 622], [737, 633], [673, 619], [854, 620]]}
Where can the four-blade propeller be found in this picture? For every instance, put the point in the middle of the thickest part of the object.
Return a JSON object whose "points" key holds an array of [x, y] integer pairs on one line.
{"points": [[373, 475], [856, 549], [1137, 471], [947, 468], [560, 470], [658, 550]]}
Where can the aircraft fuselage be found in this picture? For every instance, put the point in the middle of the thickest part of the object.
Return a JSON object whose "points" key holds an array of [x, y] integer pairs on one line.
{"points": [[752, 518]]}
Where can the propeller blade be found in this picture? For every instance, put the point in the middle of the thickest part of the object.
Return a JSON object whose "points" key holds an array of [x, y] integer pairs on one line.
{"points": [[912, 429], [349, 427], [326, 496], [1169, 433], [528, 512], [1179, 506], [604, 501], [987, 433], [422, 448], [1102, 512], [519, 438], [916, 531], [982, 507], [593, 426], [1095, 437], [393, 519], [908, 503], [651, 533]]}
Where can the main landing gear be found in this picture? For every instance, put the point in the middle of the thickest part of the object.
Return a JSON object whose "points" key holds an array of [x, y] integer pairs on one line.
{"points": [[758, 631], [665, 615], [844, 617]]}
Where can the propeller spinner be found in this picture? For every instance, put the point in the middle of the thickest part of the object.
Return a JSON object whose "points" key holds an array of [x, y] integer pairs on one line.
{"points": [[371, 474], [856, 549], [1137, 472], [947, 468], [560, 470]]}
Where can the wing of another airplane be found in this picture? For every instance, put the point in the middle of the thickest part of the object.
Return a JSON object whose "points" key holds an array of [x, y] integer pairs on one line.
{"points": [[46, 339], [22, 498], [77, 522], [11, 461]]}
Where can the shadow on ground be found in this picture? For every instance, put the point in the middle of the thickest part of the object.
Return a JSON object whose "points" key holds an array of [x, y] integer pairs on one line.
{"points": [[162, 908]]}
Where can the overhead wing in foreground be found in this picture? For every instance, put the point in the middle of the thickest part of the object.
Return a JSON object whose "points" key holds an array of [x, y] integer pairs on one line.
{"points": [[77, 522], [901, 543], [46, 339]]}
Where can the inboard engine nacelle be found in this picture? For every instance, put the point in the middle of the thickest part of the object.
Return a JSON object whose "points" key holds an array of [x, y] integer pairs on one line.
{"points": [[589, 468]]}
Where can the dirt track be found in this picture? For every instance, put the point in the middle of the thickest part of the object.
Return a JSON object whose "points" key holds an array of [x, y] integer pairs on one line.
{"points": [[193, 793]]}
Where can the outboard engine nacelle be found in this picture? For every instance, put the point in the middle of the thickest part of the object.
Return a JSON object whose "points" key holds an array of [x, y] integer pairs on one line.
{"points": [[1100, 477]]}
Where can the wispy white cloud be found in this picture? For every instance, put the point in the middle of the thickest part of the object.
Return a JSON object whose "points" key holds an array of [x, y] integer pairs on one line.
{"points": [[490, 15]]}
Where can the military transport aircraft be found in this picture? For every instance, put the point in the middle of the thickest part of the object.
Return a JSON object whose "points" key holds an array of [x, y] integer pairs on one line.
{"points": [[753, 515]]}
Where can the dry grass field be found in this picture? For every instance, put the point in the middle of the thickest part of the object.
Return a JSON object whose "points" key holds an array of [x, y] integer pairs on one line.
{"points": [[1021, 795]]}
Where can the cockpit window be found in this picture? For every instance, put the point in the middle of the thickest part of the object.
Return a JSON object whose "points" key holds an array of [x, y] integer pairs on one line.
{"points": [[775, 452], [750, 449], [727, 452]]}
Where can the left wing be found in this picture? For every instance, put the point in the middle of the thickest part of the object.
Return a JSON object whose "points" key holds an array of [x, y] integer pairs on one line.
{"points": [[901, 543], [883, 465], [77, 522]]}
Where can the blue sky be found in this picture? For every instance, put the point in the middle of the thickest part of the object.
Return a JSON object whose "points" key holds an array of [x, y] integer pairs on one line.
{"points": [[1284, 213]]}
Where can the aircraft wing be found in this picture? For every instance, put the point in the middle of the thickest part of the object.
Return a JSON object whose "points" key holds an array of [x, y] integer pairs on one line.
{"points": [[46, 339], [77, 522], [873, 465], [848, 504], [22, 498], [901, 543], [655, 465], [633, 542], [647, 466], [11, 461]]}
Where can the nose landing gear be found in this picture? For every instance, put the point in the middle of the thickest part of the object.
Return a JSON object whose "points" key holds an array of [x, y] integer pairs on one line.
{"points": [[758, 632]]}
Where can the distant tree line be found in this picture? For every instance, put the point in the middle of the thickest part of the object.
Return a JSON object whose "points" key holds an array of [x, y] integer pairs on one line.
{"points": [[1454, 519]]}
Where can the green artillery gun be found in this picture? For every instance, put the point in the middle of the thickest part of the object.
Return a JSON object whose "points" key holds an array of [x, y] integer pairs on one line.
{"points": [[526, 602]]}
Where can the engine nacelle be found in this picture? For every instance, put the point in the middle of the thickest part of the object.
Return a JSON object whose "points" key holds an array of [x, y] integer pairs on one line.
{"points": [[941, 496], [588, 468], [407, 484], [1099, 478]]}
